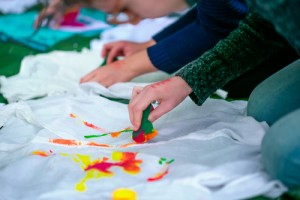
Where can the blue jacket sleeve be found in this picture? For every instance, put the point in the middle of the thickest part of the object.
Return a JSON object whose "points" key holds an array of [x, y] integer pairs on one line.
{"points": [[215, 19], [183, 21]]}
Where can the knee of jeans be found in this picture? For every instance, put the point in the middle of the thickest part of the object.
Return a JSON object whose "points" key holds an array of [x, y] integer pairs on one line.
{"points": [[253, 108], [279, 159]]}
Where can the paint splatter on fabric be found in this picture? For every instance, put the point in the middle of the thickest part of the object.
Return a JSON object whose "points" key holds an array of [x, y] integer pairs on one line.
{"points": [[100, 168], [68, 142], [112, 134], [124, 194], [42, 153], [87, 124], [164, 171]]}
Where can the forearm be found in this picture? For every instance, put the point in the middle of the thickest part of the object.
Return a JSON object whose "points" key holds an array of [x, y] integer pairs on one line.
{"points": [[247, 46], [138, 64]]}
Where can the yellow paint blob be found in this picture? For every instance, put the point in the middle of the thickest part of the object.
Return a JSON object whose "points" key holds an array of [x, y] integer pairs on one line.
{"points": [[124, 194], [116, 156]]}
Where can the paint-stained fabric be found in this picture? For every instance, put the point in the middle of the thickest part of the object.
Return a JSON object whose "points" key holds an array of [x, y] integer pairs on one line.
{"points": [[70, 146]]}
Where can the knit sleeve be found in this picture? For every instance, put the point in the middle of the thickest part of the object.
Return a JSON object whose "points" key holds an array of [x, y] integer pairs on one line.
{"points": [[284, 15], [214, 21], [183, 21], [251, 43]]}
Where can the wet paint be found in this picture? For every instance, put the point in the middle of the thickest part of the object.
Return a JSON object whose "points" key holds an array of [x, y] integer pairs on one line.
{"points": [[143, 138], [87, 124], [124, 194], [65, 142], [42, 153], [160, 83], [100, 168], [112, 134], [159, 175], [95, 144], [93, 126], [164, 171], [68, 142]]}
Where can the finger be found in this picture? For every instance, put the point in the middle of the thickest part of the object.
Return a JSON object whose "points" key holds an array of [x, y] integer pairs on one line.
{"points": [[138, 104], [106, 49], [159, 111], [39, 20], [115, 52], [57, 19], [135, 91], [88, 77]]}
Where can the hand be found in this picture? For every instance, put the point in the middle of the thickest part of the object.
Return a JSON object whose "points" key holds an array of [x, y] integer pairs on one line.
{"points": [[169, 93], [109, 74], [123, 48], [122, 70], [55, 8]]}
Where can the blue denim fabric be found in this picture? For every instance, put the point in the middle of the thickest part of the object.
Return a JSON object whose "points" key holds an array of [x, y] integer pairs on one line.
{"points": [[277, 101]]}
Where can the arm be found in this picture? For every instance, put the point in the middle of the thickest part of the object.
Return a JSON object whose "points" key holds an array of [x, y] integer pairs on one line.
{"points": [[183, 21], [284, 15], [215, 20], [254, 41]]}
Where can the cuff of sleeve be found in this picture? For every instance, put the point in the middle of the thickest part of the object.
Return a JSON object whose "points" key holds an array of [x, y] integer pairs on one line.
{"points": [[193, 96], [159, 58]]}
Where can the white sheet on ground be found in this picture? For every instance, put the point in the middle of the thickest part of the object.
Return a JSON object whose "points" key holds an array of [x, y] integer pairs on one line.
{"points": [[55, 73], [16, 6], [140, 32], [215, 147]]}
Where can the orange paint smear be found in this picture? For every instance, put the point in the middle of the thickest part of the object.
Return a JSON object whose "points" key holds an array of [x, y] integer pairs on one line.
{"points": [[151, 135], [128, 145], [42, 153], [72, 115], [95, 144], [115, 134], [93, 126], [158, 176], [65, 142]]}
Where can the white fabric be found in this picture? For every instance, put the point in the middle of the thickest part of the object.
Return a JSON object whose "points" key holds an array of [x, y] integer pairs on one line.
{"points": [[49, 73], [140, 32], [54, 73], [216, 149], [15, 6]]}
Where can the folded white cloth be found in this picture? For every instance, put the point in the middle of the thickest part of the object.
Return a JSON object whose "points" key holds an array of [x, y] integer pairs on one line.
{"points": [[207, 152], [56, 72], [140, 32]]}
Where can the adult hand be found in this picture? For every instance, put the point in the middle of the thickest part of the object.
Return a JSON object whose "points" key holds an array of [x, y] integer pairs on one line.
{"points": [[123, 48], [169, 93]]}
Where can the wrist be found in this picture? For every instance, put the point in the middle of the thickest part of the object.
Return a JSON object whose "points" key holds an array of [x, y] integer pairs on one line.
{"points": [[140, 63], [150, 43], [184, 85]]}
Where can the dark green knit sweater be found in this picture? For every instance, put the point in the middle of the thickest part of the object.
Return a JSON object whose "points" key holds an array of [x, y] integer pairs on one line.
{"points": [[254, 41]]}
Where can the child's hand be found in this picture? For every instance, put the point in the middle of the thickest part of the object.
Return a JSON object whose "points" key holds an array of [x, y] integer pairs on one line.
{"points": [[56, 9], [109, 74], [169, 93], [123, 48]]}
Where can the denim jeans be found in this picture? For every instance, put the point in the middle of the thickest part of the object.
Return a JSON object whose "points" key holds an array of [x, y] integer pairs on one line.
{"points": [[277, 101]]}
